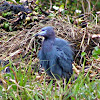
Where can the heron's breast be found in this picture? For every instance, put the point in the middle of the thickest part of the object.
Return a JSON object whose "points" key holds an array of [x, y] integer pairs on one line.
{"points": [[47, 46]]}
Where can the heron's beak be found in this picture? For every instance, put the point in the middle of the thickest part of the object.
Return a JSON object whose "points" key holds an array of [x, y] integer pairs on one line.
{"points": [[42, 33]]}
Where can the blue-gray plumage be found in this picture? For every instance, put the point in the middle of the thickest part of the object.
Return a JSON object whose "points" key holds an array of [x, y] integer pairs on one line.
{"points": [[55, 55]]}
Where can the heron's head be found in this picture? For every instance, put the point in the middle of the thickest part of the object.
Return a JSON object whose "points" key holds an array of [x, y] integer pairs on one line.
{"points": [[47, 32]]}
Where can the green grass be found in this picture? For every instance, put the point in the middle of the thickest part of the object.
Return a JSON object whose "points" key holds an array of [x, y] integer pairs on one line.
{"points": [[22, 85]]}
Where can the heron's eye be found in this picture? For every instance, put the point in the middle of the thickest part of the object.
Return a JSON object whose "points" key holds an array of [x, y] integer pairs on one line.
{"points": [[44, 31]]}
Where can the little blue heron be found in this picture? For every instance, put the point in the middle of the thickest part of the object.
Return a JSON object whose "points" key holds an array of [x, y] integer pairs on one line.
{"points": [[55, 55]]}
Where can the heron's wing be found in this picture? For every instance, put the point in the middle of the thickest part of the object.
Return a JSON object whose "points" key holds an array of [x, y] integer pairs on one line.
{"points": [[64, 61], [65, 47], [63, 64], [60, 64]]}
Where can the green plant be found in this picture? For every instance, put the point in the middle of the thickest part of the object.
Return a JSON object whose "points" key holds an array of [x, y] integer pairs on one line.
{"points": [[96, 52]]}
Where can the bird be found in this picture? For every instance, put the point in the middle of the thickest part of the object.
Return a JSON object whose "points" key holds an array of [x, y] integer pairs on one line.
{"points": [[55, 55]]}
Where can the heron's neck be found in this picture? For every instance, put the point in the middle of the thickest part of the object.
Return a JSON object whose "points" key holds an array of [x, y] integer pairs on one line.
{"points": [[52, 38], [47, 45]]}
